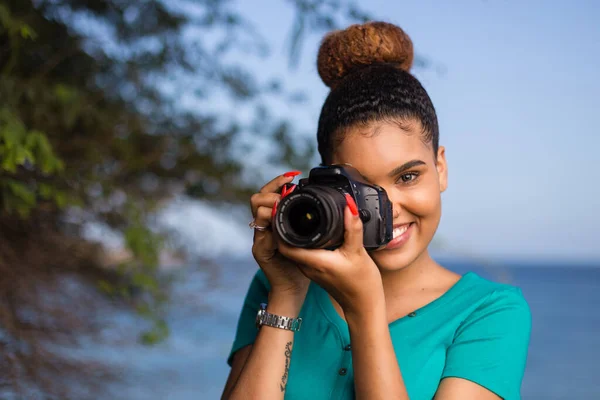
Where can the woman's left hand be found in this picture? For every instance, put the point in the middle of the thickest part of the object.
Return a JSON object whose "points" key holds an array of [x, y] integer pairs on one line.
{"points": [[347, 273]]}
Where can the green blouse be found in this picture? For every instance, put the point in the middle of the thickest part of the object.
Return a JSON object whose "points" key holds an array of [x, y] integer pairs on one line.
{"points": [[478, 330]]}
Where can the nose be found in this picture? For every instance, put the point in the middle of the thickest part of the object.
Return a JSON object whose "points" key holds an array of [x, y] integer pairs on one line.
{"points": [[395, 198], [397, 210]]}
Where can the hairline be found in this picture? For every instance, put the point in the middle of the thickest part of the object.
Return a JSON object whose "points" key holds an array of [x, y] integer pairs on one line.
{"points": [[373, 127]]}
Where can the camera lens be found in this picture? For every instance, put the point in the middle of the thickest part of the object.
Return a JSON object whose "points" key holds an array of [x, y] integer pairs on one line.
{"points": [[312, 217], [304, 218]]}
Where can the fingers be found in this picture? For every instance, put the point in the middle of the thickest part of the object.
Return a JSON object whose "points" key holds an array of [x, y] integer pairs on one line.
{"points": [[275, 184], [260, 200], [263, 241], [263, 245], [315, 258], [263, 215], [268, 193], [263, 209], [353, 228]]}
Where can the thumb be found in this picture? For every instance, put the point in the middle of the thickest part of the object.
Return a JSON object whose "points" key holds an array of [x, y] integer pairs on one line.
{"points": [[353, 227]]}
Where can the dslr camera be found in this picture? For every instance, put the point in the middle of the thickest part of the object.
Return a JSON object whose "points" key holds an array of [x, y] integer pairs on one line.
{"points": [[312, 216]]}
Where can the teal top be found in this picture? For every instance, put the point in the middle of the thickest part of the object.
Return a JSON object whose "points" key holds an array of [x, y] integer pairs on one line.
{"points": [[478, 330]]}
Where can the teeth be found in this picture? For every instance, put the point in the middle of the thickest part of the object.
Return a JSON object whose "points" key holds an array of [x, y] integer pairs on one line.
{"points": [[400, 230]]}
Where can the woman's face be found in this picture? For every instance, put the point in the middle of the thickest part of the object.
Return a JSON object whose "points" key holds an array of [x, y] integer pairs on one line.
{"points": [[397, 159]]}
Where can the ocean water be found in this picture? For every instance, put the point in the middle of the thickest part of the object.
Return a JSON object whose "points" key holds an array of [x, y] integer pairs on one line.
{"points": [[564, 354]]}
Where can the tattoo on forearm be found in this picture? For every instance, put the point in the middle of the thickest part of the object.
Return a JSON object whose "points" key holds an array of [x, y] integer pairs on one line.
{"points": [[288, 355]]}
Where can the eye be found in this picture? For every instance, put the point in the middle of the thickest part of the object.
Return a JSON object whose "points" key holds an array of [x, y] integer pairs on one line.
{"points": [[408, 177]]}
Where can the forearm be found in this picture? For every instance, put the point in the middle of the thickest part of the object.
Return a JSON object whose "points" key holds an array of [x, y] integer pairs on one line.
{"points": [[265, 373], [376, 371]]}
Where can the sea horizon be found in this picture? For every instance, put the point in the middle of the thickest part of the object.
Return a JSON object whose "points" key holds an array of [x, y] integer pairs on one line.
{"points": [[208, 294]]}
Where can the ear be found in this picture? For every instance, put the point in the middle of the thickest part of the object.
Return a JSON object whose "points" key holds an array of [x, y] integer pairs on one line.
{"points": [[442, 168]]}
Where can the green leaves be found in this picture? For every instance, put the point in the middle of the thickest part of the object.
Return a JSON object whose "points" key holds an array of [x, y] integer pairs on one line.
{"points": [[14, 26], [116, 120], [142, 273], [71, 103], [13, 152], [27, 151], [144, 244], [158, 333], [16, 31], [17, 197], [20, 147], [27, 32]]}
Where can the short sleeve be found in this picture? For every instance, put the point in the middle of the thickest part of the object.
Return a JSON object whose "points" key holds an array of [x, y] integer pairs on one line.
{"points": [[246, 328], [490, 346]]}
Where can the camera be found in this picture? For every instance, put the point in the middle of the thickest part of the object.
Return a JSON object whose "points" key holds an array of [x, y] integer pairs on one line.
{"points": [[312, 216]]}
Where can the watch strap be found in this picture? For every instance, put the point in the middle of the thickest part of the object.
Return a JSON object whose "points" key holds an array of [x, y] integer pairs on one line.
{"points": [[277, 321]]}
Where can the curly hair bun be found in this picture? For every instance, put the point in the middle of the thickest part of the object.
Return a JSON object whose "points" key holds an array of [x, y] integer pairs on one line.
{"points": [[345, 51]]}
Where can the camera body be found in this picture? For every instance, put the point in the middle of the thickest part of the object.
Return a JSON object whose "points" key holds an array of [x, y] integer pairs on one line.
{"points": [[312, 216]]}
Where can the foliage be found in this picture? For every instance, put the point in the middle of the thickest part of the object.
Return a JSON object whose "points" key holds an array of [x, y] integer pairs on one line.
{"points": [[104, 115]]}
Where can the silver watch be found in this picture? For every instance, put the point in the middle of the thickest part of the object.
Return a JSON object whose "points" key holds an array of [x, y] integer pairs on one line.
{"points": [[276, 321]]}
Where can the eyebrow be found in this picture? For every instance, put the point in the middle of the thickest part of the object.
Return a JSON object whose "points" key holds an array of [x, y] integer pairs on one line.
{"points": [[401, 169], [404, 167]]}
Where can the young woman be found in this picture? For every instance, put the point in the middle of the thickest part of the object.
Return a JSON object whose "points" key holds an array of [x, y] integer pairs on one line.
{"points": [[390, 323]]}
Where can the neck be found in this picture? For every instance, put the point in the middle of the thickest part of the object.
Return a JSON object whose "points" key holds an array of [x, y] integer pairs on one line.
{"points": [[414, 276]]}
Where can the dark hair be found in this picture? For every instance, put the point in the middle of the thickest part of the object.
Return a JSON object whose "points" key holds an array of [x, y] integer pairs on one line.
{"points": [[366, 66]]}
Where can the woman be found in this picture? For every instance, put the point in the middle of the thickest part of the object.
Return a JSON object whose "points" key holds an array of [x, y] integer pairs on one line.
{"points": [[390, 323]]}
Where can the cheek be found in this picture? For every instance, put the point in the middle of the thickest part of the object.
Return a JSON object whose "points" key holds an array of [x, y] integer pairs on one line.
{"points": [[423, 201]]}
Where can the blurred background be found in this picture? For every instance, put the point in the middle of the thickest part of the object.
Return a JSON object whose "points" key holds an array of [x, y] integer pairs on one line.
{"points": [[132, 134]]}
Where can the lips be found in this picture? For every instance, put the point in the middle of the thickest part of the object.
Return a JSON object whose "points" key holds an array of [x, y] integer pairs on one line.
{"points": [[401, 234], [400, 229]]}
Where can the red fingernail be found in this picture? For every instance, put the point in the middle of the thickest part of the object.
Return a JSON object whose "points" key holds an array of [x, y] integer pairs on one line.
{"points": [[274, 211], [283, 191], [351, 204], [290, 190], [292, 173]]}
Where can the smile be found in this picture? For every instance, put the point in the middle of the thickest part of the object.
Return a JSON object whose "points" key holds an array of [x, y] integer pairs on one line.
{"points": [[399, 230], [401, 234]]}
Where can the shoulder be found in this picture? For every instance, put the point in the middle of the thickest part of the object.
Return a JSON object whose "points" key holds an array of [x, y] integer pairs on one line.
{"points": [[491, 340], [483, 293], [479, 305], [495, 307], [495, 295]]}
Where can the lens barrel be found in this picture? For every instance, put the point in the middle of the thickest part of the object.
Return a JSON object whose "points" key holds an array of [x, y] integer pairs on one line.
{"points": [[312, 217]]}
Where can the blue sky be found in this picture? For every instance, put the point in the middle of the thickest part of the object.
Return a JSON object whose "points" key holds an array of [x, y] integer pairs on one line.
{"points": [[517, 104]]}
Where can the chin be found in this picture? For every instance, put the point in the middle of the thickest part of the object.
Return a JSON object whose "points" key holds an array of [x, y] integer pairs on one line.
{"points": [[404, 251], [393, 260]]}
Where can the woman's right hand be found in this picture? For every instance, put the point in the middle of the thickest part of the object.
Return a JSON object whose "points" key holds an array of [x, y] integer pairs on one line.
{"points": [[283, 274]]}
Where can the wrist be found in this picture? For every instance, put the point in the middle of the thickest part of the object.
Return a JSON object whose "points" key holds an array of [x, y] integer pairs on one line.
{"points": [[371, 310], [285, 303]]}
